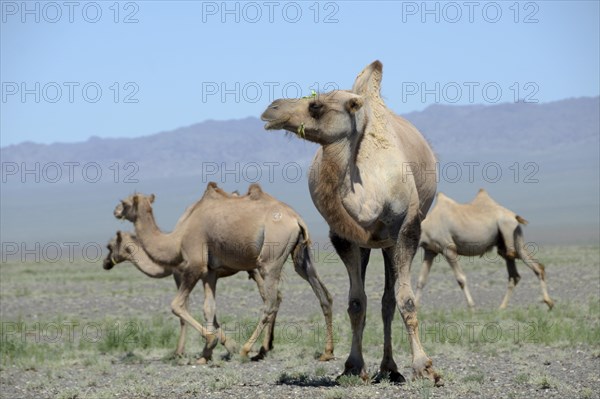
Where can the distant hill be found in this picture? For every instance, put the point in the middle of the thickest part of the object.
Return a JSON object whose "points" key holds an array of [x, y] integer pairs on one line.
{"points": [[541, 160], [450, 129]]}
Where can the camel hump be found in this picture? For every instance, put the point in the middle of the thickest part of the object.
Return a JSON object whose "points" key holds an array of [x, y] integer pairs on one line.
{"points": [[441, 197], [521, 220], [482, 193], [213, 190], [255, 191]]}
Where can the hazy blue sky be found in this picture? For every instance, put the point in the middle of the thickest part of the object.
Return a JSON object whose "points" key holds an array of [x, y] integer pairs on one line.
{"points": [[169, 66]]}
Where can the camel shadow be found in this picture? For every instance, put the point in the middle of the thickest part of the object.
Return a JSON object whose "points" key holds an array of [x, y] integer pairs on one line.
{"points": [[305, 380]]}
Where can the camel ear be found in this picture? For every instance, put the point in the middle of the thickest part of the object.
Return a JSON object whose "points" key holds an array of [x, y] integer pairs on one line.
{"points": [[119, 238], [368, 82], [354, 104], [135, 200], [152, 197]]}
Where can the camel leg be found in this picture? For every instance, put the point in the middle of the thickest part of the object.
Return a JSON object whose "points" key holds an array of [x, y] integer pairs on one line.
{"points": [[357, 303], [210, 317], [537, 267], [507, 231], [182, 325], [513, 279], [429, 256], [388, 368], [304, 266], [179, 308], [260, 283], [271, 273], [452, 259], [403, 254]]}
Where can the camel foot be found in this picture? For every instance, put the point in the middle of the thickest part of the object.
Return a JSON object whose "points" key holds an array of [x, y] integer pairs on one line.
{"points": [[325, 357], [202, 360], [350, 370], [176, 355], [230, 345], [392, 376], [262, 353], [424, 369], [550, 303]]}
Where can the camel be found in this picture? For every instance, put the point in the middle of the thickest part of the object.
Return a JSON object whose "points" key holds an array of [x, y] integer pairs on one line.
{"points": [[472, 229], [241, 233], [126, 247], [372, 179]]}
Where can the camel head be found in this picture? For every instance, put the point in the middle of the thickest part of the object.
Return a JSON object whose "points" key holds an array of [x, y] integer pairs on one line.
{"points": [[119, 250], [329, 117], [130, 207]]}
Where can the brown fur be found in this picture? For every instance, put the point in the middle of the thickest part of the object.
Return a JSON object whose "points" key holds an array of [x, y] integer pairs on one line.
{"points": [[359, 184], [126, 247], [472, 229], [253, 232]]}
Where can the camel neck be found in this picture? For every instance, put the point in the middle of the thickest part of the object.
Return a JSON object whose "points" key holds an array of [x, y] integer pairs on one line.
{"points": [[160, 247], [336, 163], [143, 263], [338, 155], [146, 224]]}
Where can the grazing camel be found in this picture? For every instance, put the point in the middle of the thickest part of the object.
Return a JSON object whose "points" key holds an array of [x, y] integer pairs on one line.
{"points": [[242, 233], [372, 179], [454, 229], [126, 247]]}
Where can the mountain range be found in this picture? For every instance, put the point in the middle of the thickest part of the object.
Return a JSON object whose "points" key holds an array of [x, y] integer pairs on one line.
{"points": [[547, 156]]}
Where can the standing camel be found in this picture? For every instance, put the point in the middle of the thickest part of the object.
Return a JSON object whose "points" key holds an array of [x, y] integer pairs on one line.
{"points": [[126, 247], [372, 179], [454, 229], [254, 231]]}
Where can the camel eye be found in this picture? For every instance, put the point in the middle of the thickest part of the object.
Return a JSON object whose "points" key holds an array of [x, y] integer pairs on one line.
{"points": [[315, 109]]}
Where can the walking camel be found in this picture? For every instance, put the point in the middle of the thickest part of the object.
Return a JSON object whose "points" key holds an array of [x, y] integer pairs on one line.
{"points": [[242, 233], [368, 180], [125, 247], [454, 229]]}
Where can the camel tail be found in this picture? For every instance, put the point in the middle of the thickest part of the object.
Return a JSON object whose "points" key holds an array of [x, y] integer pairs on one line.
{"points": [[301, 254], [521, 220]]}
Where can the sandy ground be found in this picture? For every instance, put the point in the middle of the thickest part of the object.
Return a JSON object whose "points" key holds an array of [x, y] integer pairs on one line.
{"points": [[84, 292]]}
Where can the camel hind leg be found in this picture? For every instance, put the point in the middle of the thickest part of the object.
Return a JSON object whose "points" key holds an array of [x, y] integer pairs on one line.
{"points": [[507, 228], [428, 258], [260, 283], [304, 266], [270, 270], [534, 265]]}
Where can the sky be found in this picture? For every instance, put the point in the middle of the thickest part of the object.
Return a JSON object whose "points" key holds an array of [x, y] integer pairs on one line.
{"points": [[72, 70]]}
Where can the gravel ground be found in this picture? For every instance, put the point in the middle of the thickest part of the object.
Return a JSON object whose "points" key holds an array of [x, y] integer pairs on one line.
{"points": [[85, 293]]}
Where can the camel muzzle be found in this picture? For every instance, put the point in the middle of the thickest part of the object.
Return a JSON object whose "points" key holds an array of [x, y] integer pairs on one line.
{"points": [[274, 121]]}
